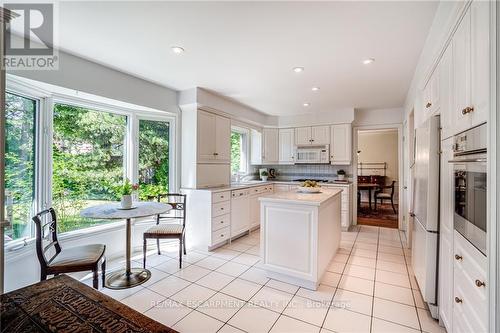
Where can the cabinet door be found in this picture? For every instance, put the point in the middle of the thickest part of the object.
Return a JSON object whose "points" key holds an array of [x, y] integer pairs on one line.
{"points": [[254, 211], [206, 137], [286, 146], [270, 145], [340, 145], [223, 139], [446, 92], [426, 99], [240, 214], [480, 61], [303, 136], [320, 135], [255, 147], [461, 75], [445, 272]]}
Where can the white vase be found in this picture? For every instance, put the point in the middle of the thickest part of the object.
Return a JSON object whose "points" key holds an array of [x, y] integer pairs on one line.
{"points": [[126, 202], [264, 178], [340, 177]]}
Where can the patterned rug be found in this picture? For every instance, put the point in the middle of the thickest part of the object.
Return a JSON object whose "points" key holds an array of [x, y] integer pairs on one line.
{"points": [[384, 216]]}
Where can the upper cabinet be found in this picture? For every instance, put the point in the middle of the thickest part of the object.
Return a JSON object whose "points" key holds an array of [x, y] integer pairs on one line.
{"points": [[270, 148], [446, 93], [471, 61], [286, 146], [431, 96], [315, 135], [214, 133], [341, 144]]}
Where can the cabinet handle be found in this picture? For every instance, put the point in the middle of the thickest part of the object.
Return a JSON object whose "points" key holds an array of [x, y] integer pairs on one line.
{"points": [[480, 283], [458, 300], [222, 235], [428, 105], [222, 208], [459, 258], [467, 110], [221, 222]]}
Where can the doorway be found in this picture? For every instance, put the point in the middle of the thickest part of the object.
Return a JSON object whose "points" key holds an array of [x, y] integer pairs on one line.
{"points": [[378, 171]]}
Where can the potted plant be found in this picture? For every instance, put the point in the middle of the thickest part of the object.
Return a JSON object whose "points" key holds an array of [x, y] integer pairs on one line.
{"points": [[264, 175], [126, 192], [341, 174]]}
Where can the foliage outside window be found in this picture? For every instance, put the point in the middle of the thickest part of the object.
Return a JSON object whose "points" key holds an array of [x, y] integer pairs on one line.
{"points": [[87, 162], [236, 145], [20, 116], [153, 157]]}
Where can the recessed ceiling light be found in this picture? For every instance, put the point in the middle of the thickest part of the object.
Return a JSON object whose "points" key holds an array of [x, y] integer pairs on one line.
{"points": [[298, 69], [368, 61], [306, 104], [177, 49], [315, 88]]}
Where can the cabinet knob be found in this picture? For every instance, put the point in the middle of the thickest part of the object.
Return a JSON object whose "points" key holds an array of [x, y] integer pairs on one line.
{"points": [[458, 300], [458, 257], [480, 283], [428, 105], [467, 110]]}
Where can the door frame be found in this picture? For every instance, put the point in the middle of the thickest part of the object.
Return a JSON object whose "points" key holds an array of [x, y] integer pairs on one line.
{"points": [[356, 130]]}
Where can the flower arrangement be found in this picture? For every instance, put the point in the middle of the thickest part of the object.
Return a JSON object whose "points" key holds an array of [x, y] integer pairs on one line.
{"points": [[126, 192]]}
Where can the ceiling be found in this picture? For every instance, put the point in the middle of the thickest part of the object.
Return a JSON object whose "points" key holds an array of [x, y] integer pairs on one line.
{"points": [[246, 50]]}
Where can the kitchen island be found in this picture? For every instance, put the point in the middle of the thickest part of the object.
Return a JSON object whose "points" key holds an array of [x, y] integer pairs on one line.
{"points": [[300, 234]]}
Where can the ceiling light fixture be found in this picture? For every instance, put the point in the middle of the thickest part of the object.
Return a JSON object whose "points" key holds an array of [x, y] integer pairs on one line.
{"points": [[368, 61], [306, 104], [315, 88], [298, 69], [177, 49]]}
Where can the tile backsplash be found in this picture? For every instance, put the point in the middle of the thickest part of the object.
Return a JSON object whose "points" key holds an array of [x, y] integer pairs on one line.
{"points": [[317, 171]]}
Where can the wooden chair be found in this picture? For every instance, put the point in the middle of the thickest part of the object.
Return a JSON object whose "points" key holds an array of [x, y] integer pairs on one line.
{"points": [[380, 194], [169, 230], [74, 259]]}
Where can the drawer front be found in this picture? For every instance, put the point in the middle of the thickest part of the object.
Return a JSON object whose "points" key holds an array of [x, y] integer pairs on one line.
{"points": [[221, 208], [220, 222], [472, 295], [240, 193], [471, 317], [220, 235], [221, 196], [471, 262]]}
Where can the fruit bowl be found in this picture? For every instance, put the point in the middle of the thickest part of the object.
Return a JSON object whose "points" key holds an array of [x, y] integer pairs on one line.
{"points": [[309, 189]]}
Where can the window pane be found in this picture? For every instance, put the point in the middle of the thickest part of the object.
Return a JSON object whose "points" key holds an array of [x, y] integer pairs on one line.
{"points": [[153, 157], [236, 146], [88, 151], [20, 113]]}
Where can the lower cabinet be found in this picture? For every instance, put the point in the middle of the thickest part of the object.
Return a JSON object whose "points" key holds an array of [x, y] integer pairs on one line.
{"points": [[240, 211], [346, 205]]}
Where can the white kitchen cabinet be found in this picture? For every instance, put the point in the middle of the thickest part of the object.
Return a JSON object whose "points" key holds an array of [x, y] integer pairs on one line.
{"points": [[214, 138], [255, 147], [446, 255], [256, 193], [446, 93], [341, 144], [471, 68], [431, 94], [286, 146], [270, 149], [314, 135], [346, 204], [240, 211], [303, 136], [223, 139]]}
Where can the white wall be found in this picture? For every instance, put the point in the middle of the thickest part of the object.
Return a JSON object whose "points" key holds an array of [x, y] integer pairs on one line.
{"points": [[366, 117], [340, 116]]}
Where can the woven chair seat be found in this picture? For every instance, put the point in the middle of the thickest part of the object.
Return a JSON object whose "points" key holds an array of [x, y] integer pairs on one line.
{"points": [[165, 229]]}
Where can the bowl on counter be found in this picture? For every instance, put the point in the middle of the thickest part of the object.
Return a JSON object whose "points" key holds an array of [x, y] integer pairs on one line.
{"points": [[305, 189]]}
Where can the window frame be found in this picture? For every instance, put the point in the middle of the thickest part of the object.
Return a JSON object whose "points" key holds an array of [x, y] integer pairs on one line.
{"points": [[245, 149], [44, 139]]}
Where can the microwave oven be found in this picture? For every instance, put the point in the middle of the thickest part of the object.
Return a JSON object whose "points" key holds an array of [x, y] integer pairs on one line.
{"points": [[313, 155]]}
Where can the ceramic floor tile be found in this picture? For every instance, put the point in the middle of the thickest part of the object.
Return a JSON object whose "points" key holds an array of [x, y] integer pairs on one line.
{"points": [[168, 312], [396, 313], [356, 302], [362, 261], [211, 262], [225, 253], [331, 279], [255, 275], [197, 322], [254, 319], [429, 324], [154, 259], [238, 246], [419, 301], [283, 286], [215, 280], [382, 326], [230, 329], [241, 289], [247, 259], [336, 267], [341, 320], [193, 295], [391, 267], [399, 259], [307, 310], [360, 271], [121, 294], [290, 325], [357, 285], [232, 268], [396, 279], [390, 250], [192, 273], [143, 300], [254, 250], [156, 275], [339, 257], [221, 306], [193, 257], [169, 285], [366, 246], [271, 299], [364, 253], [323, 294], [171, 266], [394, 293]]}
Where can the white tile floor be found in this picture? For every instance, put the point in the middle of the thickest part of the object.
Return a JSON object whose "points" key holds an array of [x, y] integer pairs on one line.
{"points": [[369, 287]]}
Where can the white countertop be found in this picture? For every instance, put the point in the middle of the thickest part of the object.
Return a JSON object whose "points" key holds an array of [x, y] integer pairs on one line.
{"points": [[261, 183], [312, 199]]}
